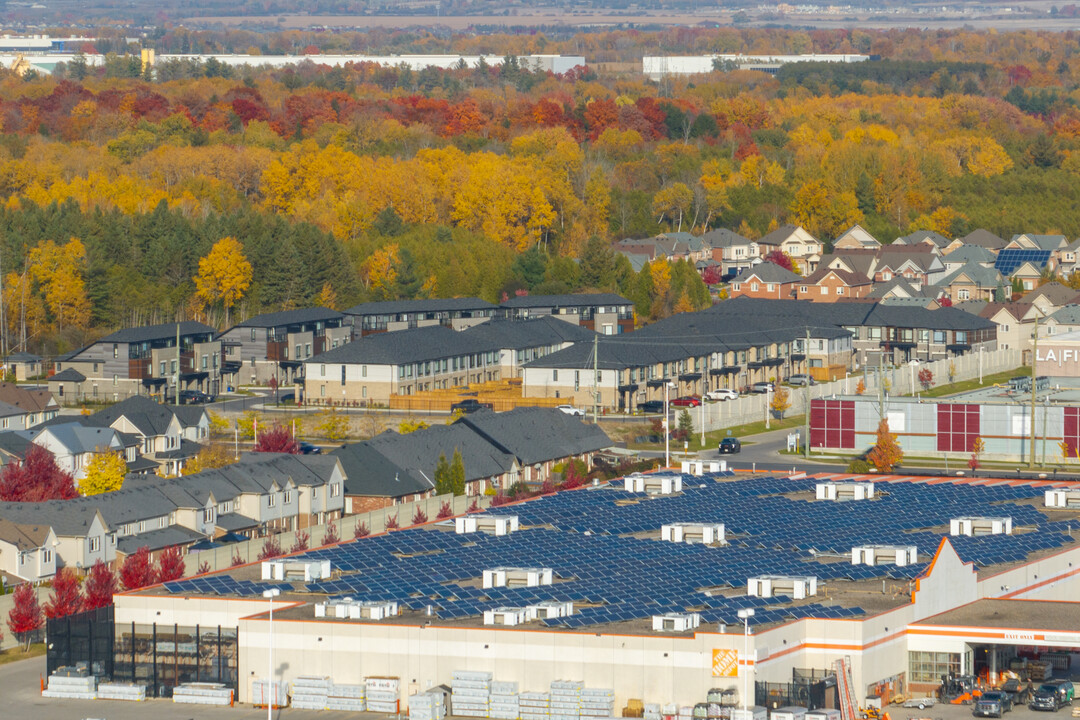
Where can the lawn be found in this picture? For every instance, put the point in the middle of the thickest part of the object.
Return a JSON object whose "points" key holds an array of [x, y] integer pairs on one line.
{"points": [[15, 654], [712, 439], [969, 385]]}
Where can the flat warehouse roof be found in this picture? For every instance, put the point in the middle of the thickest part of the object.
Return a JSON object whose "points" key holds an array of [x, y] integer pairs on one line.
{"points": [[1012, 615]]}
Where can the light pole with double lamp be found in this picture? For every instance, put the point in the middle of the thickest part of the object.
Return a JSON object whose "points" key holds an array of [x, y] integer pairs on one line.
{"points": [[270, 595], [745, 615]]}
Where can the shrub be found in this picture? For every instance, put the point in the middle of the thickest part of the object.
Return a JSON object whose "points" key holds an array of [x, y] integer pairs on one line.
{"points": [[419, 517], [361, 531], [859, 466], [444, 511], [392, 523], [330, 537], [301, 542], [270, 549]]}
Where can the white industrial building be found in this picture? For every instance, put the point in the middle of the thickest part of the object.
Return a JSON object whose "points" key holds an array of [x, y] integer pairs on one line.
{"points": [[658, 66]]}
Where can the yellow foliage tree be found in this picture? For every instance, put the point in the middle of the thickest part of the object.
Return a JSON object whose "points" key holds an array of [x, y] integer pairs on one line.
{"points": [[224, 274], [57, 271], [215, 455], [411, 425], [332, 425], [327, 297], [379, 271], [673, 202], [105, 473]]}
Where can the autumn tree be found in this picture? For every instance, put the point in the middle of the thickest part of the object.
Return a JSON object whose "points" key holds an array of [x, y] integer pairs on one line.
{"points": [[886, 453], [36, 478], [277, 439], [65, 598], [331, 537], [672, 202], [781, 402], [224, 275], [270, 549], [300, 544], [25, 615], [926, 378], [100, 586], [332, 424], [210, 457], [781, 258], [57, 271], [977, 448], [171, 565], [104, 473], [860, 387], [137, 570], [411, 425]]}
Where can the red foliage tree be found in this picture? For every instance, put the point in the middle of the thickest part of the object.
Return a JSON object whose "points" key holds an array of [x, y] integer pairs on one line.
{"points": [[392, 523], [444, 511], [779, 257], [301, 542], [270, 549], [171, 564], [36, 479], [100, 586], [547, 487], [945, 302], [204, 567], [331, 537], [711, 275], [419, 517], [499, 499], [66, 598], [475, 507], [237, 560], [137, 570], [25, 616], [277, 439], [361, 530]]}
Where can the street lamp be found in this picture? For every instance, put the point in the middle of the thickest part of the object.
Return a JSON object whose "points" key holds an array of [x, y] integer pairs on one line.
{"points": [[270, 595], [745, 614]]}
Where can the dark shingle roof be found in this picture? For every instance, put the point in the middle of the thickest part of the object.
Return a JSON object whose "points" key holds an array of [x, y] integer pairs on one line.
{"points": [[572, 300], [157, 332], [723, 237], [537, 435], [149, 416], [394, 307], [768, 272], [984, 238], [158, 539], [778, 236], [22, 357], [291, 317], [30, 399], [69, 375]]}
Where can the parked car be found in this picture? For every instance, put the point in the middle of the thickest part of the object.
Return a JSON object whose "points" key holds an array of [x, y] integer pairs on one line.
{"points": [[762, 387], [722, 394], [1052, 695], [729, 446], [686, 401], [195, 397], [992, 703], [570, 410], [307, 448], [801, 380], [651, 406], [469, 405]]}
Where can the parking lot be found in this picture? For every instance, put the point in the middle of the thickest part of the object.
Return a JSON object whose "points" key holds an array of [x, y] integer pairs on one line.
{"points": [[963, 712]]}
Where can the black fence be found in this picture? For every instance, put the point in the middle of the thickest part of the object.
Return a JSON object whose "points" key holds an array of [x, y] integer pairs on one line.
{"points": [[84, 638], [811, 689], [164, 656]]}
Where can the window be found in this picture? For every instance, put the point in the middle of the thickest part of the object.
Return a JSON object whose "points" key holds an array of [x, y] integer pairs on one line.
{"points": [[824, 290], [802, 288], [343, 375], [172, 367], [928, 667], [271, 500], [554, 375], [115, 379], [735, 287], [753, 287], [875, 333], [95, 544], [363, 371], [115, 350], [322, 370], [307, 349], [163, 368], [315, 493], [963, 294], [839, 291], [771, 287], [298, 355], [886, 276], [46, 556], [205, 362], [253, 334], [322, 391], [335, 489], [939, 337], [288, 497], [208, 515]]}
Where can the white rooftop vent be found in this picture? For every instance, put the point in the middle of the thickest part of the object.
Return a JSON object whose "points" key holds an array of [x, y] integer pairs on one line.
{"points": [[697, 468], [675, 622], [845, 490], [517, 577], [549, 609], [690, 532], [975, 526], [1063, 499], [506, 616], [899, 555], [490, 524], [357, 609], [299, 570], [796, 586], [653, 484]]}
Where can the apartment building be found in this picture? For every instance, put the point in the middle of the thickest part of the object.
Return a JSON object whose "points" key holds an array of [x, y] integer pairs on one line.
{"points": [[275, 345]]}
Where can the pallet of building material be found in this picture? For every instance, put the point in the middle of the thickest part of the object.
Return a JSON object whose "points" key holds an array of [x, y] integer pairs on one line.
{"points": [[122, 691], [346, 704], [265, 693], [306, 684], [532, 714], [471, 713], [70, 694], [564, 716], [71, 671], [473, 684], [503, 714], [473, 688], [384, 707], [597, 709], [306, 702], [383, 684], [348, 691], [76, 682], [466, 704], [202, 694], [651, 716], [504, 687], [480, 675]]}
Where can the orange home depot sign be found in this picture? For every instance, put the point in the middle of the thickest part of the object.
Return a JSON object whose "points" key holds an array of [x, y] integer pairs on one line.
{"points": [[725, 663]]}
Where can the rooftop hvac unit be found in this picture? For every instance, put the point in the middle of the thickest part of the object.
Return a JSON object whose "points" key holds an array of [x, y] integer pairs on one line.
{"points": [[675, 622], [975, 526], [549, 609], [295, 570], [689, 532], [490, 524], [796, 586], [899, 555], [653, 484], [697, 468], [1063, 499], [347, 608], [517, 577], [845, 491], [506, 616]]}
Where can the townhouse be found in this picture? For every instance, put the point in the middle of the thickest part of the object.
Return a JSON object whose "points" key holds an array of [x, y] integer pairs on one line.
{"points": [[499, 450], [81, 535], [1052, 296], [1015, 321], [604, 313], [1063, 320], [830, 284], [796, 242], [275, 345], [919, 265], [372, 369], [27, 551], [158, 360], [165, 435], [74, 445], [765, 280], [393, 315]]}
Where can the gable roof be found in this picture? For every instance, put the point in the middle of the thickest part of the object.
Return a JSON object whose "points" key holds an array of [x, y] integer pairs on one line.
{"points": [[767, 272], [1010, 260], [860, 235], [1018, 310], [157, 332], [922, 236], [22, 357], [970, 253], [397, 307], [1054, 292], [850, 279], [24, 536], [1042, 242], [149, 416], [68, 375], [537, 435], [1067, 315], [983, 238], [724, 238], [782, 233], [78, 438], [981, 275], [535, 332], [290, 317], [896, 287]]}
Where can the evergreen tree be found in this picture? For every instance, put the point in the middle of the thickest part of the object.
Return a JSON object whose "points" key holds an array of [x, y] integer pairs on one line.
{"points": [[443, 483], [597, 264], [457, 473]]}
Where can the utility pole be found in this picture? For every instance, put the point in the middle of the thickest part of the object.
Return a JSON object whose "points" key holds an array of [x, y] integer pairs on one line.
{"points": [[1034, 362], [176, 397], [881, 383], [806, 397], [595, 378]]}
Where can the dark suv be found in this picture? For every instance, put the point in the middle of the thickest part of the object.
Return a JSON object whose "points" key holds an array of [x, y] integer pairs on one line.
{"points": [[1052, 696], [992, 703], [469, 405]]}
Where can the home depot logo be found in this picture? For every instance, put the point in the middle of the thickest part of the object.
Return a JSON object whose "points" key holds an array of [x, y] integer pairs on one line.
{"points": [[725, 663]]}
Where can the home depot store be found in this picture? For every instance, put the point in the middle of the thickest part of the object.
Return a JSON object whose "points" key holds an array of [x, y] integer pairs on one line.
{"points": [[932, 428]]}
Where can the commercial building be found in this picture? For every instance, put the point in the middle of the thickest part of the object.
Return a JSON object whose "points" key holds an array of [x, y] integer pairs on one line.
{"points": [[654, 620], [657, 67]]}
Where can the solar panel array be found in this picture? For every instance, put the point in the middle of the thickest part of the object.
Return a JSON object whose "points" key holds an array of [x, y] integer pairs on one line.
{"points": [[585, 537], [222, 585], [1008, 260]]}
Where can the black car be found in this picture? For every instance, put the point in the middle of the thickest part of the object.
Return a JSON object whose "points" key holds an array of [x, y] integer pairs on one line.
{"points": [[469, 405], [307, 448], [729, 446], [1052, 696], [651, 406], [195, 397], [992, 703]]}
